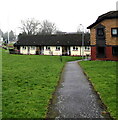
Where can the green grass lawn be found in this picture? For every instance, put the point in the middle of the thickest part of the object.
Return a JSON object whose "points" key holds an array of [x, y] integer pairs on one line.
{"points": [[102, 74], [28, 83], [0, 83]]}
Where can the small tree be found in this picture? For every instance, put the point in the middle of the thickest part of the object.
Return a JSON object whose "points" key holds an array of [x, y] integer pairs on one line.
{"points": [[1, 33], [11, 36]]}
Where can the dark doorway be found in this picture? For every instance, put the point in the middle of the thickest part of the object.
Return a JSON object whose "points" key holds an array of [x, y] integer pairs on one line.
{"points": [[100, 35], [38, 50], [115, 50], [66, 50], [101, 52]]}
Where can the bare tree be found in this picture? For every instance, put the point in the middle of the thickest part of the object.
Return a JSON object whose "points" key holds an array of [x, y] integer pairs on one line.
{"points": [[47, 27], [30, 26], [11, 36], [1, 33]]}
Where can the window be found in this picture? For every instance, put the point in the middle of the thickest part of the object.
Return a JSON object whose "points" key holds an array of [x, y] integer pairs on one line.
{"points": [[100, 31], [32, 47], [114, 31], [47, 47], [75, 48], [115, 51], [57, 47], [24, 47], [87, 48]]}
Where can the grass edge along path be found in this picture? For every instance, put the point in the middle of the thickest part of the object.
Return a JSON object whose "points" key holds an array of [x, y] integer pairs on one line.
{"points": [[29, 82], [0, 82], [102, 75]]}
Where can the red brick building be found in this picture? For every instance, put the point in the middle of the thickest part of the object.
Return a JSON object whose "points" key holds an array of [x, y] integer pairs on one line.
{"points": [[104, 37]]}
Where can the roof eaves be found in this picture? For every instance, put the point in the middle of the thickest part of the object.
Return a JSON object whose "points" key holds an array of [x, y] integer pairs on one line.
{"points": [[103, 17]]}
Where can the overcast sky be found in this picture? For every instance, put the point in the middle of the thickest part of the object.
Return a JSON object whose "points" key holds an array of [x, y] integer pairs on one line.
{"points": [[66, 14]]}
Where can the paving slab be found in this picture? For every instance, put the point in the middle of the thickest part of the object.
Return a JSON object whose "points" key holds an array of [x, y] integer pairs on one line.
{"points": [[75, 97]]}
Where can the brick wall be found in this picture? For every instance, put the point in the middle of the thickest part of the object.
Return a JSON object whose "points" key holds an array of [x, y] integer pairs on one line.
{"points": [[93, 53], [108, 52], [110, 23]]}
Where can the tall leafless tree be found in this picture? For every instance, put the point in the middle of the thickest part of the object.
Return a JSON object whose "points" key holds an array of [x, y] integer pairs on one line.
{"points": [[30, 26], [34, 27], [47, 27]]}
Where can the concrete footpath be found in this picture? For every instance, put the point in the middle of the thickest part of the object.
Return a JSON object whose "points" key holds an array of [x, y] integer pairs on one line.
{"points": [[75, 97]]}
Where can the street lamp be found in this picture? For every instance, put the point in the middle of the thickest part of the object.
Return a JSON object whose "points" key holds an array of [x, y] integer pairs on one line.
{"points": [[81, 27]]}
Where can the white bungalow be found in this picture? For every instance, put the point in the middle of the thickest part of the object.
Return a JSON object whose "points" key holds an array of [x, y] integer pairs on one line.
{"points": [[63, 44], [1, 40]]}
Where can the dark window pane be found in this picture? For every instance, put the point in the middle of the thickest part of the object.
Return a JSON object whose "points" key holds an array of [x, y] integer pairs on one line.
{"points": [[100, 31], [100, 52], [115, 51]]}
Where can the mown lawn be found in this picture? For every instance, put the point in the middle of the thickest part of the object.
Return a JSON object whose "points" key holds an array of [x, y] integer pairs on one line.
{"points": [[0, 83], [102, 74], [28, 83]]}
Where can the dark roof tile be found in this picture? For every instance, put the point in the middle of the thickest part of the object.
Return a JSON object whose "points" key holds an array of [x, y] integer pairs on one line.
{"points": [[108, 15], [53, 40]]}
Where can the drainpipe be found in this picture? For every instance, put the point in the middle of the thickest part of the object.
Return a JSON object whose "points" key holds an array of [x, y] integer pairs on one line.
{"points": [[82, 45], [82, 40]]}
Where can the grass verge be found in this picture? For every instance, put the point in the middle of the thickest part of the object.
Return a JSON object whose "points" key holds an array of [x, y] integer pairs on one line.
{"points": [[28, 83], [102, 74]]}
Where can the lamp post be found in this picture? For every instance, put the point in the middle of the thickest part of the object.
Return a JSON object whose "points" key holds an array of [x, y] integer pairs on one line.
{"points": [[8, 30], [82, 30]]}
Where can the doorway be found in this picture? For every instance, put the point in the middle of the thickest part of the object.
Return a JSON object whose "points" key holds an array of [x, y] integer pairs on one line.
{"points": [[66, 50], [101, 52]]}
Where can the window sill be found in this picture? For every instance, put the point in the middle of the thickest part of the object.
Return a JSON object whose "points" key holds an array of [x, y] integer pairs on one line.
{"points": [[115, 55], [114, 35], [101, 56]]}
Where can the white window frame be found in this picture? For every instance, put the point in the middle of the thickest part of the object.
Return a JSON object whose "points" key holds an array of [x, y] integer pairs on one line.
{"points": [[57, 48], [24, 47], [87, 48], [32, 47], [114, 31], [75, 48], [47, 47]]}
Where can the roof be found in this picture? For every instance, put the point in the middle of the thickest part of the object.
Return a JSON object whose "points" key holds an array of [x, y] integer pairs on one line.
{"points": [[52, 40], [108, 15]]}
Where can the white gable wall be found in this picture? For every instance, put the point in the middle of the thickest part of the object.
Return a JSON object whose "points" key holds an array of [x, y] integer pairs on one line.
{"points": [[25, 50], [32, 50], [75, 52], [85, 51], [80, 51], [22, 50], [52, 51]]}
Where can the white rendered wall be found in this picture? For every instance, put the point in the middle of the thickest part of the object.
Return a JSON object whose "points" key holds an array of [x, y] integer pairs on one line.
{"points": [[52, 51]]}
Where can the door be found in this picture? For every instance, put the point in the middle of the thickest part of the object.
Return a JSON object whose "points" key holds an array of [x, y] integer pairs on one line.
{"points": [[101, 52], [100, 35], [64, 50], [38, 50]]}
